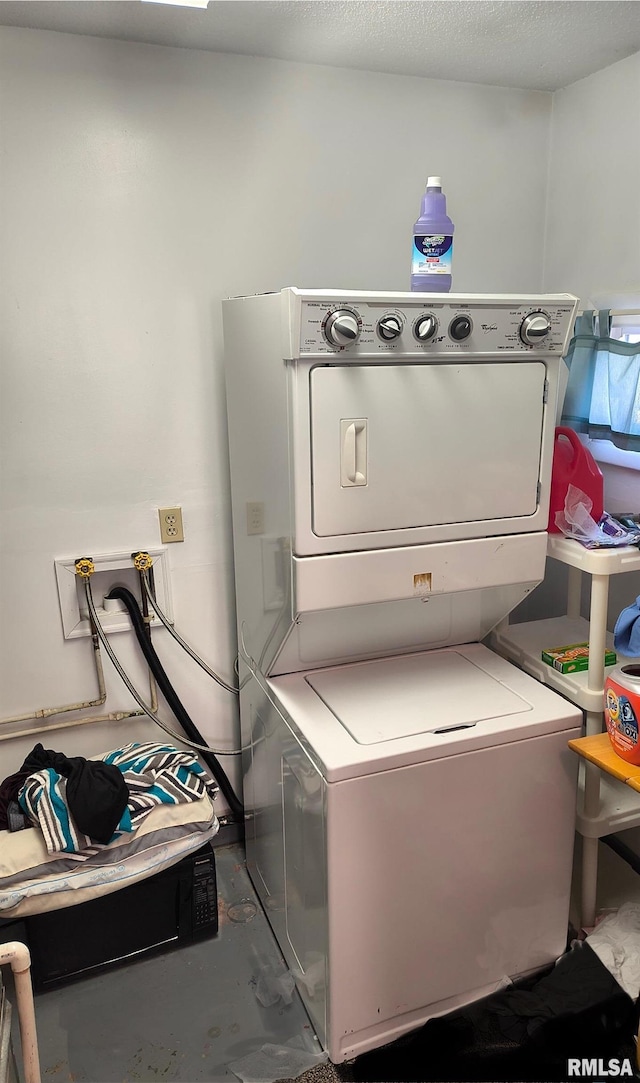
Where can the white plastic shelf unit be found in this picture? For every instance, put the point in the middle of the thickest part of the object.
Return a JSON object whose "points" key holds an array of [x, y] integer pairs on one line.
{"points": [[604, 804]]}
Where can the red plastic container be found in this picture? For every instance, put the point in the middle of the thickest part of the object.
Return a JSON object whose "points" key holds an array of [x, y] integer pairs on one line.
{"points": [[573, 464]]}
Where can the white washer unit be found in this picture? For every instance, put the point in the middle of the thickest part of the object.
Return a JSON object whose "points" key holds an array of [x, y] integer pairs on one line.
{"points": [[410, 799]]}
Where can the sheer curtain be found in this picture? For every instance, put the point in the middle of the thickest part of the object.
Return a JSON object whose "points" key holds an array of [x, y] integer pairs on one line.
{"points": [[603, 390]]}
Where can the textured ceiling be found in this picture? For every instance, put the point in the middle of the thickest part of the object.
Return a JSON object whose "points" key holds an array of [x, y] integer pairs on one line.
{"points": [[535, 44]]}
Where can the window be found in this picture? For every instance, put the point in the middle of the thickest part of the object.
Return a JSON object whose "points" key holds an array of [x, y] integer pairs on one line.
{"points": [[602, 401]]}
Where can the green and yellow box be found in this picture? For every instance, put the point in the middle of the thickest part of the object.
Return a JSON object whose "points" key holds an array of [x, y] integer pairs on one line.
{"points": [[574, 657]]}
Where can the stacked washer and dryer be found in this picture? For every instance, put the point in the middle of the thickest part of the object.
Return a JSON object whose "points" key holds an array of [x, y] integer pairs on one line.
{"points": [[410, 799]]}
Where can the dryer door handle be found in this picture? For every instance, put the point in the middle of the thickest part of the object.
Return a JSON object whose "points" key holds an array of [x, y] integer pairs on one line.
{"points": [[353, 451]]}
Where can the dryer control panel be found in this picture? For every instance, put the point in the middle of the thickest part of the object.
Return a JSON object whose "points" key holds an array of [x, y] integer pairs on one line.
{"points": [[408, 328]]}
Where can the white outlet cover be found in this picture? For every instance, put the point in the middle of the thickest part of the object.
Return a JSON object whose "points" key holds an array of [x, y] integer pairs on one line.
{"points": [[75, 622]]}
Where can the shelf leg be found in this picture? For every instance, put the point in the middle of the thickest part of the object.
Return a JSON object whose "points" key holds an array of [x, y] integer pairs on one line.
{"points": [[589, 881], [591, 804], [597, 632], [574, 592], [590, 808], [594, 722]]}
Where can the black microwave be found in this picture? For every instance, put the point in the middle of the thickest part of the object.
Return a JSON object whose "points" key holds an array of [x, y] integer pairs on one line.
{"points": [[175, 906]]}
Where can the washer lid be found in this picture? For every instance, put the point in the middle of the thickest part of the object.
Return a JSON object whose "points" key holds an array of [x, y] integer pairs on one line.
{"points": [[403, 696]]}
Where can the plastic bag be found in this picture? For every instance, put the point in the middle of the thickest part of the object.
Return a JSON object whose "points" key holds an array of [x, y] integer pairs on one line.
{"points": [[272, 982], [576, 522], [273, 1062], [616, 942]]}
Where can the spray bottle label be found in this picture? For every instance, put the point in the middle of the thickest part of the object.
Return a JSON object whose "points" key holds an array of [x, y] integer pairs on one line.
{"points": [[431, 254]]}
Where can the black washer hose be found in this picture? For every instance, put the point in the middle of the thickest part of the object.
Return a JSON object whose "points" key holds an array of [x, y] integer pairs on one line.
{"points": [[169, 693]]}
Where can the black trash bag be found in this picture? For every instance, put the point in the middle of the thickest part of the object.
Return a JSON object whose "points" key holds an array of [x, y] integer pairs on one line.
{"points": [[527, 1032]]}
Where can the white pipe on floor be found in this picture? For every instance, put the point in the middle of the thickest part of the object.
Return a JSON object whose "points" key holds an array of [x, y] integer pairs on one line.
{"points": [[18, 956]]}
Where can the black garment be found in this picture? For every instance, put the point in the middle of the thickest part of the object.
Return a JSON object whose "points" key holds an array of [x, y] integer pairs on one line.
{"points": [[17, 820], [9, 790], [97, 793], [578, 983], [527, 1032]]}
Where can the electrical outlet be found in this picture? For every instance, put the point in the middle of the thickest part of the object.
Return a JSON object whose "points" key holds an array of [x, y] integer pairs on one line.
{"points": [[255, 518], [171, 524]]}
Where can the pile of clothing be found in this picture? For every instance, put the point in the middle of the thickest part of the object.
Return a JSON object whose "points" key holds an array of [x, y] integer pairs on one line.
{"points": [[78, 802]]}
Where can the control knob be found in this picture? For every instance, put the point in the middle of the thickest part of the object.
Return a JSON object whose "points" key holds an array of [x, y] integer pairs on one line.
{"points": [[341, 328], [389, 328], [534, 328], [425, 328], [460, 328]]}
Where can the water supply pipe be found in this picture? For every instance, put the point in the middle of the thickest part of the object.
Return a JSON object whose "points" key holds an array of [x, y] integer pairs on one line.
{"points": [[17, 955]]}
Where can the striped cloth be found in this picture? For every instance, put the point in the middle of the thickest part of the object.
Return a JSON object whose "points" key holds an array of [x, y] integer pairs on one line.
{"points": [[154, 774]]}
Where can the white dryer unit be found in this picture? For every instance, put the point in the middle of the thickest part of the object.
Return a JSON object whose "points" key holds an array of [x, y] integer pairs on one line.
{"points": [[410, 799]]}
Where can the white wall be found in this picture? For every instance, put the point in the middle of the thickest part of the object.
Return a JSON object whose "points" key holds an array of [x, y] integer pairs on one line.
{"points": [[593, 217], [592, 245], [140, 185]]}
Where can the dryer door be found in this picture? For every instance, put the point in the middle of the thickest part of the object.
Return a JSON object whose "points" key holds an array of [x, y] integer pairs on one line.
{"points": [[396, 447]]}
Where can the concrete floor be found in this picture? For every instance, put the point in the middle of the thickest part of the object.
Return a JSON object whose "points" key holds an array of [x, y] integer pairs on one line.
{"points": [[187, 1014], [183, 1015]]}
